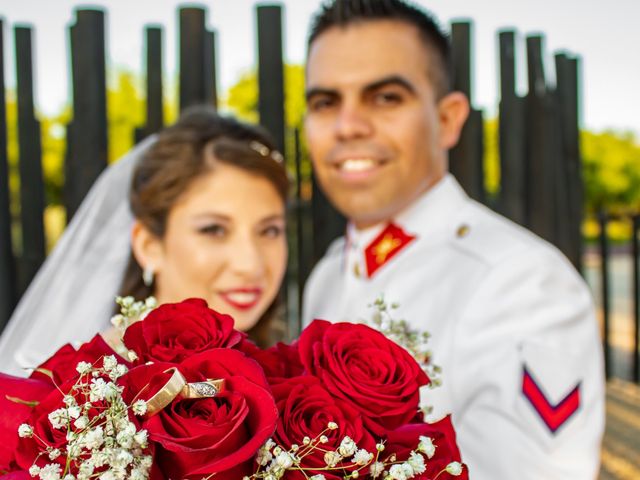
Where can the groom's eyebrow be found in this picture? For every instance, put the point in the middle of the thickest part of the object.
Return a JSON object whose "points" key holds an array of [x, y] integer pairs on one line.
{"points": [[391, 80]]}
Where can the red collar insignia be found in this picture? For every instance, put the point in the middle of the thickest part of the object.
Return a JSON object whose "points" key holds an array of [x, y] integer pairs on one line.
{"points": [[385, 246], [554, 416]]}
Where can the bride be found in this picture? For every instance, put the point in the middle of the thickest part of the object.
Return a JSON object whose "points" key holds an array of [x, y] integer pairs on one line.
{"points": [[205, 218]]}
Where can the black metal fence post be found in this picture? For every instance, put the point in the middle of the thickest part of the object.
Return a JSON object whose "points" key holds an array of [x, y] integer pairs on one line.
{"points": [[87, 148], [197, 62], [567, 73], [31, 182], [540, 190], [511, 135], [155, 114], [465, 159], [271, 72], [604, 276], [7, 264]]}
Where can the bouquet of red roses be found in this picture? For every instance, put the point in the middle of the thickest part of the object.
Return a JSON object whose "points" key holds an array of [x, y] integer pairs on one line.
{"points": [[189, 397]]}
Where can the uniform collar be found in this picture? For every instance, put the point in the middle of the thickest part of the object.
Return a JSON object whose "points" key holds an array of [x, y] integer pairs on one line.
{"points": [[429, 213]]}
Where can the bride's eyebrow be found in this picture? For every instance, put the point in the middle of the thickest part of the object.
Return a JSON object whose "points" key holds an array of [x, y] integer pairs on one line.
{"points": [[211, 216], [273, 218]]}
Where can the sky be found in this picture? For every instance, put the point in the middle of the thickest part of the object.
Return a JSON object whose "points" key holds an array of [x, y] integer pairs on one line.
{"points": [[604, 34]]}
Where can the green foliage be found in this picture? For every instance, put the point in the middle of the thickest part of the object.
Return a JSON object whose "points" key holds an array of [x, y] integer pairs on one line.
{"points": [[242, 98], [611, 171], [242, 101], [491, 161]]}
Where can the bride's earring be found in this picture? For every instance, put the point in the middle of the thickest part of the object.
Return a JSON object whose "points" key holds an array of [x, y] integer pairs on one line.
{"points": [[147, 275]]}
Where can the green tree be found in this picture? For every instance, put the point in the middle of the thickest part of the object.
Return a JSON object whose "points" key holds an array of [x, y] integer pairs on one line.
{"points": [[611, 170]]}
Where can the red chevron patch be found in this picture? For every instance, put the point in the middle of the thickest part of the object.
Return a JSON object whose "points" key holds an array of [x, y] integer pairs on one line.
{"points": [[554, 416]]}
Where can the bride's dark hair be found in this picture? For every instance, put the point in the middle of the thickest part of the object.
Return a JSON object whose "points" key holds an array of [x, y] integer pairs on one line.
{"points": [[183, 152]]}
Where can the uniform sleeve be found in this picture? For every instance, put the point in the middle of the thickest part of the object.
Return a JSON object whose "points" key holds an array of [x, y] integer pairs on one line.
{"points": [[527, 376]]}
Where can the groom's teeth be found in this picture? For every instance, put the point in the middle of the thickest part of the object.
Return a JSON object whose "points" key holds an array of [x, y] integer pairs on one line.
{"points": [[357, 164]]}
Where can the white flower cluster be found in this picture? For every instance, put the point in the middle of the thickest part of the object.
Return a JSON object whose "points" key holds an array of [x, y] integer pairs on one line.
{"points": [[131, 311], [413, 341], [274, 461], [101, 441]]}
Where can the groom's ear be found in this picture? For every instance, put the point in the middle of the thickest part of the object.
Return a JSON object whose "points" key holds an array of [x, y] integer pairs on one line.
{"points": [[146, 247]]}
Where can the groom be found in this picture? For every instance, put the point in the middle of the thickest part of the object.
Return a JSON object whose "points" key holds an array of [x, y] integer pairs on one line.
{"points": [[512, 323]]}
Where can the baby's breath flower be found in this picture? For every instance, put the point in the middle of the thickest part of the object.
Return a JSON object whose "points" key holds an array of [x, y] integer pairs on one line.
{"points": [[108, 475], [34, 470], [25, 431], [151, 302], [120, 370], [264, 456], [133, 356], [118, 320], [284, 460], [332, 458], [347, 447], [376, 469], [81, 423], [141, 438], [380, 447], [138, 474], [98, 390], [69, 401], [109, 362], [426, 446], [332, 426], [54, 453], [73, 412], [401, 471], [94, 438], [58, 418], [146, 461], [362, 457], [83, 368], [50, 472], [69, 477], [416, 461], [319, 476], [324, 439], [454, 468], [139, 407]]}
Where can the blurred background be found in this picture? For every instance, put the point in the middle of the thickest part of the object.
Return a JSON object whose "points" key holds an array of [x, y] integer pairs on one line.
{"points": [[553, 141]]}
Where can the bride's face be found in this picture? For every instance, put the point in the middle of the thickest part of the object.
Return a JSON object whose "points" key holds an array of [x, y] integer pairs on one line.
{"points": [[225, 242]]}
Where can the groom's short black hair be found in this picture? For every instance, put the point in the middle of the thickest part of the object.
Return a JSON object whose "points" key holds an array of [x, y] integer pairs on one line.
{"points": [[344, 13]]}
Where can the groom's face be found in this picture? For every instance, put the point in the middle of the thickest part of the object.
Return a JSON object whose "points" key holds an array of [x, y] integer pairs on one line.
{"points": [[373, 119]]}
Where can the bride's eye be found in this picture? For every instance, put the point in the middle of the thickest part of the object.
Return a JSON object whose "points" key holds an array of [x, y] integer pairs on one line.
{"points": [[215, 230], [272, 231]]}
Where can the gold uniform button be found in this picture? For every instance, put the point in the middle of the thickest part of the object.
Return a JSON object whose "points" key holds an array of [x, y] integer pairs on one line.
{"points": [[356, 270], [463, 231]]}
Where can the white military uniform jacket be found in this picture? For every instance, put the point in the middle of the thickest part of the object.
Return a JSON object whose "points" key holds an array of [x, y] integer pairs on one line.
{"points": [[512, 326]]}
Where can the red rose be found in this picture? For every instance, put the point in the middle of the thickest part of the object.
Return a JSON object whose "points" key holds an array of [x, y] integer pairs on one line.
{"points": [[306, 409], [200, 437], [362, 366], [21, 475], [15, 413], [279, 362], [62, 364], [443, 436], [175, 331]]}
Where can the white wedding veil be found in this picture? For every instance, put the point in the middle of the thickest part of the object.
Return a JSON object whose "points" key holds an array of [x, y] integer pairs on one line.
{"points": [[72, 296]]}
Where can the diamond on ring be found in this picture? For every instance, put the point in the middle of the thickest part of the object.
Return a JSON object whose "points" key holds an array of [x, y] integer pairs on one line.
{"points": [[204, 389]]}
